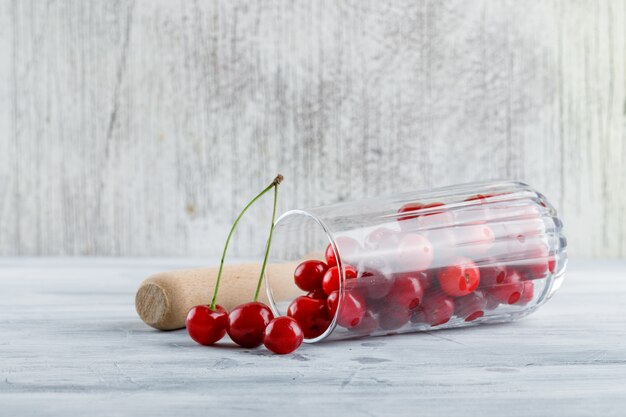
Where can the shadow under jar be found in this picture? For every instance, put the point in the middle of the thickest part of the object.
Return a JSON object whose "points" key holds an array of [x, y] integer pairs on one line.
{"points": [[441, 258]]}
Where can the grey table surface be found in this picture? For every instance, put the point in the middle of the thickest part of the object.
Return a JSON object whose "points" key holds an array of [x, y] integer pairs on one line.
{"points": [[71, 344]]}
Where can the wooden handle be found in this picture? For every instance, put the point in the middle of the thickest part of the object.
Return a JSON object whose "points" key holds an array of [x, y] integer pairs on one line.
{"points": [[163, 300]]}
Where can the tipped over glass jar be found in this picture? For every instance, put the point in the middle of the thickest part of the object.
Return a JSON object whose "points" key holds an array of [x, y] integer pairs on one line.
{"points": [[441, 258]]}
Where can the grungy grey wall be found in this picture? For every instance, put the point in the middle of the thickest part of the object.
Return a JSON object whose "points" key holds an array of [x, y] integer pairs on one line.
{"points": [[142, 127]]}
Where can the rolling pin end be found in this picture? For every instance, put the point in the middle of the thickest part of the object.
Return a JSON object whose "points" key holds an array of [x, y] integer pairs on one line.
{"points": [[152, 304]]}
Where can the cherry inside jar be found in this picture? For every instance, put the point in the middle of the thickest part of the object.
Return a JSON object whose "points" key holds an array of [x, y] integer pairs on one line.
{"points": [[441, 258]]}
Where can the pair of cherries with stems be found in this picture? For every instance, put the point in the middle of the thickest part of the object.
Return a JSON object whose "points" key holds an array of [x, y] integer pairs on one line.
{"points": [[250, 324]]}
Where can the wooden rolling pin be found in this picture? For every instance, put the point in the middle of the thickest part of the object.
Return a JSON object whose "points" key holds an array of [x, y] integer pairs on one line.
{"points": [[163, 300]]}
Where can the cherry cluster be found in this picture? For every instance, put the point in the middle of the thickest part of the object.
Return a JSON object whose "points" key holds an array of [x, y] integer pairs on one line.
{"points": [[251, 324], [435, 266]]}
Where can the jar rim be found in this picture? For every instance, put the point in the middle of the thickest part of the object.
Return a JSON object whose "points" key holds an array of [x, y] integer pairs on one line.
{"points": [[331, 241]]}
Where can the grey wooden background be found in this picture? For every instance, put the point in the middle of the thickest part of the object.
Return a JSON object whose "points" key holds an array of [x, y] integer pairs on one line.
{"points": [[141, 127]]}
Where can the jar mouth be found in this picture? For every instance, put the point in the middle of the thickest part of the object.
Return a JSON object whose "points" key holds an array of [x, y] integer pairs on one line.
{"points": [[315, 225]]}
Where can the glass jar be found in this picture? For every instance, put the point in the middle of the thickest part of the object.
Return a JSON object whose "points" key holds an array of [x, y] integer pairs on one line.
{"points": [[434, 259]]}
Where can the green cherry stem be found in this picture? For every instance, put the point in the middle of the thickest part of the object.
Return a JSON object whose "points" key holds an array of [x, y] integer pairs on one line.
{"points": [[267, 247], [274, 183]]}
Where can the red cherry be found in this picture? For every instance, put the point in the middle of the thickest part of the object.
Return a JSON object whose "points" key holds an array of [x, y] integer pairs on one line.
{"points": [[207, 326], [524, 228], [444, 240], [435, 219], [367, 326], [510, 290], [352, 308], [426, 278], [419, 220], [415, 253], [348, 248], [331, 302], [475, 315], [382, 239], [460, 278], [491, 274], [373, 283], [247, 323], [539, 262], [331, 279], [480, 197], [432, 205], [478, 213], [283, 335], [308, 275], [551, 264], [436, 309], [475, 239], [471, 306], [409, 208], [527, 293], [317, 293], [329, 255], [311, 315], [407, 291], [375, 306], [392, 317]]}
